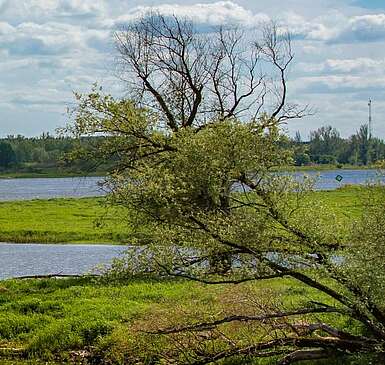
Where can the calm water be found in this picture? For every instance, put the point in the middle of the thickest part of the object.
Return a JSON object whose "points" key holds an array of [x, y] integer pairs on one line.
{"points": [[45, 188], [327, 179], [41, 259]]}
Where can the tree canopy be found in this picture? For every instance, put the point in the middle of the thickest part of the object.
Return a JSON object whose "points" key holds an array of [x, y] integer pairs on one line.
{"points": [[7, 155], [326, 146], [198, 172]]}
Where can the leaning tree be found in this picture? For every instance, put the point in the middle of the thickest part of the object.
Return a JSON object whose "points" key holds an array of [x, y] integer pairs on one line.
{"points": [[193, 149]]}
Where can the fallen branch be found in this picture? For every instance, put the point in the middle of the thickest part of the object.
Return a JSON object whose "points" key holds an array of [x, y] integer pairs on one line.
{"points": [[302, 355], [50, 276], [11, 352], [210, 325], [309, 345]]}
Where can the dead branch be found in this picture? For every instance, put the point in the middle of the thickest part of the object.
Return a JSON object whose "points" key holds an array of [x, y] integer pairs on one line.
{"points": [[239, 318], [189, 78]]}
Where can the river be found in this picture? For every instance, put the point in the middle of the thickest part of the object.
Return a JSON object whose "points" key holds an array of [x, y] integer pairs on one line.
{"points": [[41, 259], [45, 259], [46, 188], [327, 179]]}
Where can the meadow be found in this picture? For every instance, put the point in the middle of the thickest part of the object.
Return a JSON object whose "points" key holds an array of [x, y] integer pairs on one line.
{"points": [[63, 320], [58, 320], [89, 220], [85, 220]]}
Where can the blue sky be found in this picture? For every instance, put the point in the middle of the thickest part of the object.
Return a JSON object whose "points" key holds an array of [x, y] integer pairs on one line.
{"points": [[370, 4], [50, 48]]}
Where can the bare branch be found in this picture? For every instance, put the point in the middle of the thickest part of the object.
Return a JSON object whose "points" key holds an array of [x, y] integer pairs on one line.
{"points": [[190, 78], [302, 355], [264, 317]]}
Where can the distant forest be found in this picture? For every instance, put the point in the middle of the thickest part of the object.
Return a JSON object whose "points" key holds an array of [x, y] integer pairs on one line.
{"points": [[45, 154], [325, 146], [48, 153]]}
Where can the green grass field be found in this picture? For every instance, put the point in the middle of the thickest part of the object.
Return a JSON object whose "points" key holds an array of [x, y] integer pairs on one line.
{"points": [[51, 319], [89, 221], [62, 220], [48, 318]]}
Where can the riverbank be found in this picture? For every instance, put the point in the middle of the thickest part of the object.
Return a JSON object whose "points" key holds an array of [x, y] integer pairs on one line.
{"points": [[327, 167], [47, 174], [36, 170]]}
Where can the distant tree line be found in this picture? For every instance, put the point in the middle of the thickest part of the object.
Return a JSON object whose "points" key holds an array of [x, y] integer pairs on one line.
{"points": [[19, 153], [326, 146], [45, 149]]}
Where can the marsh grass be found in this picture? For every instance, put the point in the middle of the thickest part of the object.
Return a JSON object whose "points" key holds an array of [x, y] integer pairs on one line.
{"points": [[48, 318]]}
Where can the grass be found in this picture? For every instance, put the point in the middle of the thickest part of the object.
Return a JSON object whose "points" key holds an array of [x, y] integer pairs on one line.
{"points": [[47, 319], [52, 319], [346, 202], [84, 220], [87, 220]]}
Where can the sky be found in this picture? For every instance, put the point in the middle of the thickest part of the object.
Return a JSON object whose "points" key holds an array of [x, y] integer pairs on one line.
{"points": [[51, 48]]}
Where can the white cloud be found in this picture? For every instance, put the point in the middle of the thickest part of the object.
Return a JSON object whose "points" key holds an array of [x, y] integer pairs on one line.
{"points": [[363, 28], [337, 27], [37, 39], [45, 10], [6, 28], [310, 29], [50, 38], [217, 13], [356, 65], [81, 7], [341, 84]]}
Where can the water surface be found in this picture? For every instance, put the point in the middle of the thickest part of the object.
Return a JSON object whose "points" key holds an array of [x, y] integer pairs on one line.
{"points": [[327, 179], [76, 187], [45, 259], [46, 188]]}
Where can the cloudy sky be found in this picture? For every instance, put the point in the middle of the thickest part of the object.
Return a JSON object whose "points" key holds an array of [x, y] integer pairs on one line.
{"points": [[50, 48]]}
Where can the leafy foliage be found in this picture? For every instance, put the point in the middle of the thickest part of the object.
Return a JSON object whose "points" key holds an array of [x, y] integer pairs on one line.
{"points": [[217, 214], [7, 155], [326, 146]]}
